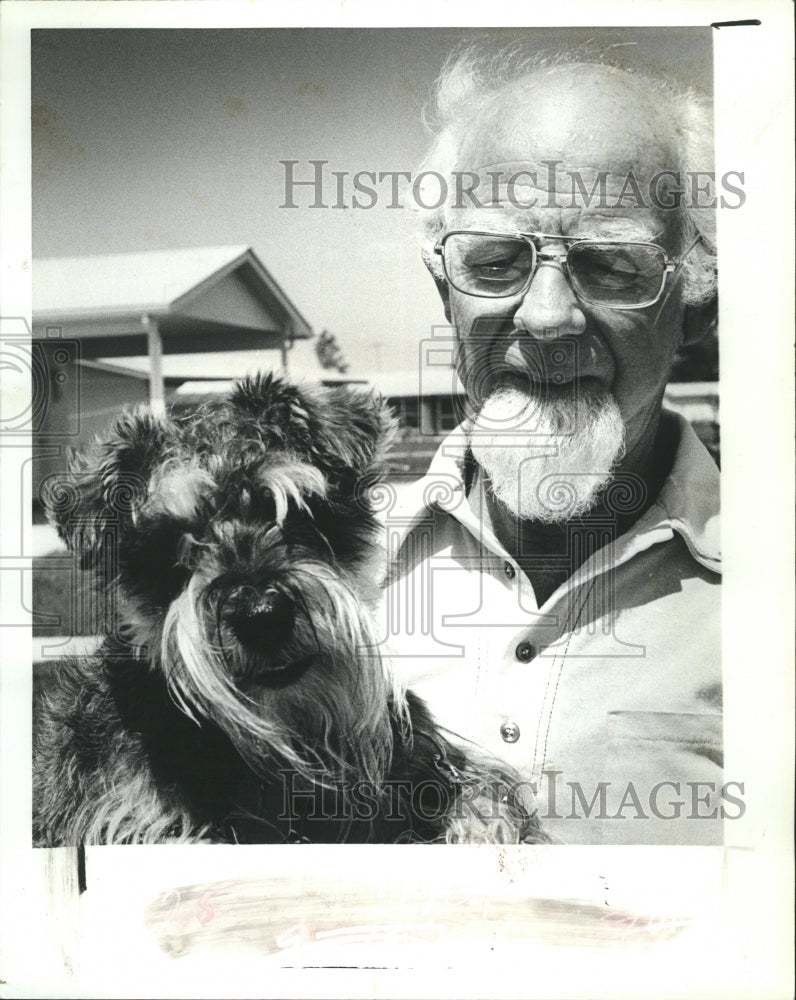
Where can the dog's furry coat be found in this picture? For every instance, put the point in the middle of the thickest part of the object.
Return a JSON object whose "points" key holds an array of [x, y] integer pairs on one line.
{"points": [[239, 695]]}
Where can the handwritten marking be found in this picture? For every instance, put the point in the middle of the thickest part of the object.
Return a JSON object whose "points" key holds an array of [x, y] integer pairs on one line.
{"points": [[185, 911], [624, 923], [299, 935]]}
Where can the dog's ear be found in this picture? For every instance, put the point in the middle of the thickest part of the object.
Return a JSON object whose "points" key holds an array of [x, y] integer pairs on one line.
{"points": [[339, 429], [107, 483], [357, 429]]}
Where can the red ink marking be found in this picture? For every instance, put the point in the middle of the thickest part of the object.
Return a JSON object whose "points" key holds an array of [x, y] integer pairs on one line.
{"points": [[294, 937], [624, 923], [207, 912]]}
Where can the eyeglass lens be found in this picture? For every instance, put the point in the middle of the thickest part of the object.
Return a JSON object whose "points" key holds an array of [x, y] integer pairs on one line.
{"points": [[608, 274]]}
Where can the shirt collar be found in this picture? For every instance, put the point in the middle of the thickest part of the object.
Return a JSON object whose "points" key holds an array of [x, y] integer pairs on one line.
{"points": [[688, 502], [690, 497]]}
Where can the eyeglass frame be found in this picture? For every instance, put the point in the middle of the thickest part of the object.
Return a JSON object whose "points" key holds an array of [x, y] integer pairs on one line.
{"points": [[670, 264]]}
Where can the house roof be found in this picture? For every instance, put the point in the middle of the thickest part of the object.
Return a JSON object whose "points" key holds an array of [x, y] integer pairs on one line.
{"points": [[107, 295], [302, 362], [417, 382], [148, 281], [124, 371], [413, 384], [198, 389], [392, 385]]}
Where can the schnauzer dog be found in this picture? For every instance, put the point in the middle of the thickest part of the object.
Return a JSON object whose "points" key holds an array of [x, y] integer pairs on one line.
{"points": [[238, 695]]}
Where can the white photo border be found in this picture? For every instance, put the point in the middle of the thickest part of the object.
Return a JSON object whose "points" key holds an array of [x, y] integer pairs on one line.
{"points": [[741, 945]]}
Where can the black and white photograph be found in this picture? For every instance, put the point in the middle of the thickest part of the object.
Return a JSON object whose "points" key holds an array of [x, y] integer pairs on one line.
{"points": [[371, 397]]}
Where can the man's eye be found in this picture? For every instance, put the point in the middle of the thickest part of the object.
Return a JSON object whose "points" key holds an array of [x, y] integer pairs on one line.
{"points": [[620, 265], [615, 267], [494, 266], [496, 262]]}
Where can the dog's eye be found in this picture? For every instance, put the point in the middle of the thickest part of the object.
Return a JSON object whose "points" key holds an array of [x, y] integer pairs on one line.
{"points": [[156, 560]]}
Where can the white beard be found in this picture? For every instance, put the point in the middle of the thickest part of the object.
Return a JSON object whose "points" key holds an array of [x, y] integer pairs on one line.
{"points": [[547, 459]]}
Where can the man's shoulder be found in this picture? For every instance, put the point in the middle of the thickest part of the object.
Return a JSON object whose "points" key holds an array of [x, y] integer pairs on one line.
{"points": [[691, 496], [408, 505], [424, 515], [440, 488]]}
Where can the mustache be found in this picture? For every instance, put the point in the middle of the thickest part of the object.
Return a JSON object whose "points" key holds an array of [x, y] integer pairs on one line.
{"points": [[497, 355], [544, 410]]}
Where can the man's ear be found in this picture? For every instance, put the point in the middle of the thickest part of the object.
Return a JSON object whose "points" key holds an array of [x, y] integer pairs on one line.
{"points": [[434, 269], [445, 294], [700, 320]]}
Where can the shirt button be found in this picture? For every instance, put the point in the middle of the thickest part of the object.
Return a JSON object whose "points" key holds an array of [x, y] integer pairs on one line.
{"points": [[510, 732], [525, 652]]}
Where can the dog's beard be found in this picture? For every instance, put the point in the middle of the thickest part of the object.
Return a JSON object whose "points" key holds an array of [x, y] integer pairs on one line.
{"points": [[332, 726], [547, 459]]}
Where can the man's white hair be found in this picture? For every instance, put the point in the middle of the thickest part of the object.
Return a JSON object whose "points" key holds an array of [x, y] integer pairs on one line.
{"points": [[468, 83]]}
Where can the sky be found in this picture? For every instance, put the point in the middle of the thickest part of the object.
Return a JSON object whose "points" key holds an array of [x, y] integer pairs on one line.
{"points": [[154, 139]]}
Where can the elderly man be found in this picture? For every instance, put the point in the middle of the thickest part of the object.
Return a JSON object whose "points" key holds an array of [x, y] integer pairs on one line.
{"points": [[555, 591]]}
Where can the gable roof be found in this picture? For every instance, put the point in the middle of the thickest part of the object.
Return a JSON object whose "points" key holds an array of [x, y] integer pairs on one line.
{"points": [[157, 282]]}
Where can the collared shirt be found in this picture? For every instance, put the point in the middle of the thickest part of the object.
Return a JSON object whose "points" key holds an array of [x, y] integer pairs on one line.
{"points": [[607, 696]]}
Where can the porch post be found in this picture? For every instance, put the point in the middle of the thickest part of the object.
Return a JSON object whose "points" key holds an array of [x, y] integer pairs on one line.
{"points": [[287, 344], [157, 394]]}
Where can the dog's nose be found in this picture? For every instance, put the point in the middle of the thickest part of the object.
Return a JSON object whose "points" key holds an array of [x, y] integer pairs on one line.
{"points": [[260, 619]]}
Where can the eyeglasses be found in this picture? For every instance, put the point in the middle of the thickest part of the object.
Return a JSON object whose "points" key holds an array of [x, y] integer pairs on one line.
{"points": [[602, 272]]}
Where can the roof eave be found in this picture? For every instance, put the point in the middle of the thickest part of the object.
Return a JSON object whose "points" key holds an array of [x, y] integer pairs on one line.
{"points": [[133, 312]]}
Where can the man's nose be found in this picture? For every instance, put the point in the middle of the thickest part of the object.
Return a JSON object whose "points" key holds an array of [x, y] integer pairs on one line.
{"points": [[549, 308]]}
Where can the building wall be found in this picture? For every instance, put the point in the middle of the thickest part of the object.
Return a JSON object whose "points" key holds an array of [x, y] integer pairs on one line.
{"points": [[74, 404]]}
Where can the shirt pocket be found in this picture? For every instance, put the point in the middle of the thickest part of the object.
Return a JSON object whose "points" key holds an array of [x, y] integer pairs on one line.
{"points": [[671, 764], [699, 734]]}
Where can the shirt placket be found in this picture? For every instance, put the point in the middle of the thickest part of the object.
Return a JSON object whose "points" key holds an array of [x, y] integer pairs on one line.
{"points": [[515, 679], [521, 694]]}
